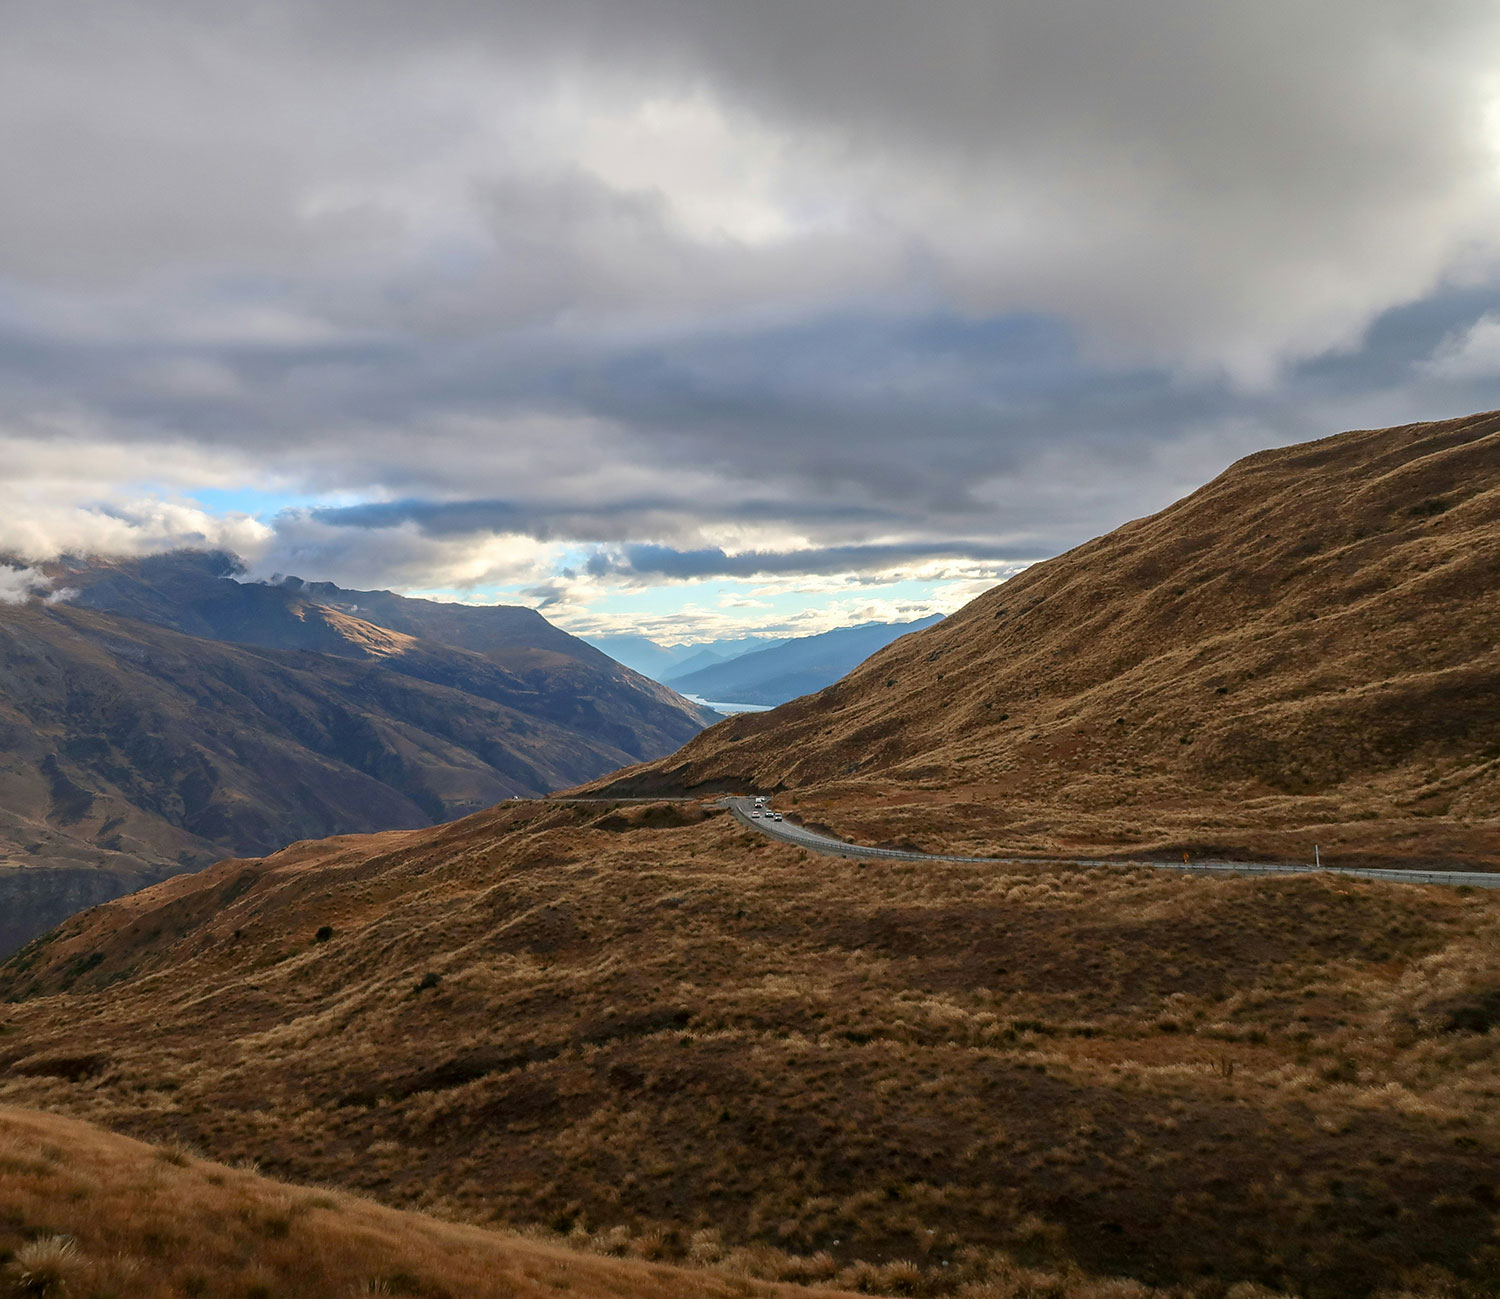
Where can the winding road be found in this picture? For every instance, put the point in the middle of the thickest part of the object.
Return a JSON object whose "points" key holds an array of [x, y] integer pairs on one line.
{"points": [[801, 837]]}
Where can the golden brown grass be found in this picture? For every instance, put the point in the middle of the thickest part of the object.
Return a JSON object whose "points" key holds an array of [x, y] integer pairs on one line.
{"points": [[1303, 651], [91, 1215], [655, 1033]]}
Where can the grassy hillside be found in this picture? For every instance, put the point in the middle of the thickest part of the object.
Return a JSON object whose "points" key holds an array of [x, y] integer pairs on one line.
{"points": [[91, 1215], [1303, 651], [643, 1024], [130, 750]]}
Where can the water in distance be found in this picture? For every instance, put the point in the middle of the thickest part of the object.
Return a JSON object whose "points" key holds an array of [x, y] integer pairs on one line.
{"points": [[730, 709]]}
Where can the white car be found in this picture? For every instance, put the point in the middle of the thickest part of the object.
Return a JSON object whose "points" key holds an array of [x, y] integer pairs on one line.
{"points": [[775, 816], [755, 811]]}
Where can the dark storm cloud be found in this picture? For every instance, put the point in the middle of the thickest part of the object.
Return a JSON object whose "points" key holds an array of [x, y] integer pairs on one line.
{"points": [[598, 521], [665, 562], [1249, 179], [781, 284]]}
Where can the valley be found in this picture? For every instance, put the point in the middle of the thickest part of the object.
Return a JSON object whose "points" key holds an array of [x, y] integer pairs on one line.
{"points": [[642, 1023], [168, 715], [774, 675], [698, 650], [626, 1021]]}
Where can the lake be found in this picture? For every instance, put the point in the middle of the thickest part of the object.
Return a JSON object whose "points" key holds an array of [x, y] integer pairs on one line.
{"points": [[730, 709]]}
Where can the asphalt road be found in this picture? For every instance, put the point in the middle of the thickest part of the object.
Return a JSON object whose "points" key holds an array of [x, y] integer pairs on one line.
{"points": [[815, 842]]}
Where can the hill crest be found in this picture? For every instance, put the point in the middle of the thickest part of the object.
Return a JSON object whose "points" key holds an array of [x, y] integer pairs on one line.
{"points": [[1303, 650]]}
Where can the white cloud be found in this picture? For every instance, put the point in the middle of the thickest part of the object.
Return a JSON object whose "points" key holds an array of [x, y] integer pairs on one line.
{"points": [[1473, 353], [123, 527], [71, 488], [17, 585], [705, 275]]}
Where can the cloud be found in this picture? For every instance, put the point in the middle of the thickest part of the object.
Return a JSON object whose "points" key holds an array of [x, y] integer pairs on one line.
{"points": [[1471, 354], [589, 518], [401, 556], [17, 585], [651, 561], [1209, 184], [594, 295], [693, 623], [47, 528]]}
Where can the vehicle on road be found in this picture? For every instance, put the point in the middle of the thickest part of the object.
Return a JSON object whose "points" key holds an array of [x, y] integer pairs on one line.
{"points": [[775, 816], [755, 811]]}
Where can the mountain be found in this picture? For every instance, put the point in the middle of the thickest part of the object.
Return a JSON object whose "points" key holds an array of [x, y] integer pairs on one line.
{"points": [[792, 668], [200, 593], [641, 654], [662, 661], [647, 1027], [1302, 652], [700, 658], [169, 716], [656, 1034]]}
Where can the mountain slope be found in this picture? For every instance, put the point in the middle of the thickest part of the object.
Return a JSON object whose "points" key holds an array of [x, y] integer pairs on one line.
{"points": [[129, 751], [1303, 651], [647, 1026], [795, 667], [199, 592], [173, 1223], [555, 675]]}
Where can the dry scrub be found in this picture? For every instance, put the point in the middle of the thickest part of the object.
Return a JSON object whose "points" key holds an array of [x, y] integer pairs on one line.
{"points": [[1302, 652], [657, 1034], [91, 1215]]}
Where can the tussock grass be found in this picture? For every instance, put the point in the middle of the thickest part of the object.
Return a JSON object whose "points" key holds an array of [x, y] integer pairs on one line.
{"points": [[91, 1215], [1303, 651], [657, 1043]]}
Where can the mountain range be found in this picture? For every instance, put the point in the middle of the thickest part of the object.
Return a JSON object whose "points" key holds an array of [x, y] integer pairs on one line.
{"points": [[642, 1028], [659, 662], [754, 670], [796, 667], [166, 715]]}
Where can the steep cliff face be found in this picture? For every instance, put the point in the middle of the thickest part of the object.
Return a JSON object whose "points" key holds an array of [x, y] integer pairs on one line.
{"points": [[1302, 651], [132, 749]]}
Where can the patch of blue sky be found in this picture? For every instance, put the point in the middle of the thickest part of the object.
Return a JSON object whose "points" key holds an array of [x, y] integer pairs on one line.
{"points": [[262, 503]]}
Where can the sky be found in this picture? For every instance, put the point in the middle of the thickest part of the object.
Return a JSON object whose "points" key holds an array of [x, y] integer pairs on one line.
{"points": [[695, 318]]}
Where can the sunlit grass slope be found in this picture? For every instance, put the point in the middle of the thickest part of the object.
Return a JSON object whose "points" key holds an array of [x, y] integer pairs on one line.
{"points": [[647, 1029], [1304, 651], [88, 1214]]}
